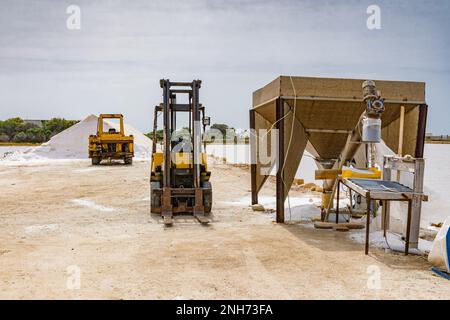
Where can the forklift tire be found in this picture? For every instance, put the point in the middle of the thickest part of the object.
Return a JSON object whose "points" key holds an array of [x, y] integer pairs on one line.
{"points": [[128, 160], [207, 196], [96, 161], [155, 199]]}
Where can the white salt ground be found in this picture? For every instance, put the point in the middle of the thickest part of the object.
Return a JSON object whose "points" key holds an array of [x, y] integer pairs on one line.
{"points": [[394, 241], [91, 204], [86, 170], [296, 209], [35, 229]]}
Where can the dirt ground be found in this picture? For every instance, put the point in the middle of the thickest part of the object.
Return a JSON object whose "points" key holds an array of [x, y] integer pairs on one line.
{"points": [[65, 219]]}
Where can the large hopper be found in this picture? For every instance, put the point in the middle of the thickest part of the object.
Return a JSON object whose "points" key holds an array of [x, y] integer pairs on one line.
{"points": [[321, 115]]}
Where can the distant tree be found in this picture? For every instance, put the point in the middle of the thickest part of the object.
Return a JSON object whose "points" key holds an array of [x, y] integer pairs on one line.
{"points": [[159, 135], [4, 137], [20, 137], [11, 126], [221, 127], [36, 135], [56, 125], [17, 130]]}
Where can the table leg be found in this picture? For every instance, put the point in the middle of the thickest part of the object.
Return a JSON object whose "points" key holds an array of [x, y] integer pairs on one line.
{"points": [[384, 217], [367, 223], [408, 227], [351, 205]]}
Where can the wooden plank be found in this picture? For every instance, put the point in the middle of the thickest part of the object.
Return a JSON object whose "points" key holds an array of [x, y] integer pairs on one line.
{"points": [[400, 131], [351, 88], [266, 93], [331, 225], [327, 174]]}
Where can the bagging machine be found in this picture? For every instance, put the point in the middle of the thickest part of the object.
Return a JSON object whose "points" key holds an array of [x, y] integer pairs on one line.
{"points": [[343, 128]]}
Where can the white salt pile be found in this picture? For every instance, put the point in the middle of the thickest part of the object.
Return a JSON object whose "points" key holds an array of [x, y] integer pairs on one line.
{"points": [[72, 143]]}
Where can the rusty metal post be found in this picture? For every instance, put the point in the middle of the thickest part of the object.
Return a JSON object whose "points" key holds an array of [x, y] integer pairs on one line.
{"points": [[196, 133], [421, 130], [165, 85], [253, 157], [280, 160]]}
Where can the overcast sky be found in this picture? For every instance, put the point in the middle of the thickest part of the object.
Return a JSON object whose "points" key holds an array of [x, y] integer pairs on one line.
{"points": [[114, 62]]}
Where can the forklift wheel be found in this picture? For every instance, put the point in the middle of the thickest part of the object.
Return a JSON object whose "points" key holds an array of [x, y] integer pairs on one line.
{"points": [[155, 199], [207, 196], [96, 160]]}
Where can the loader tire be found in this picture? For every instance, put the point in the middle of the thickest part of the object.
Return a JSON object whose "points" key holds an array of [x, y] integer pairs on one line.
{"points": [[207, 196], [155, 199], [96, 160], [128, 160]]}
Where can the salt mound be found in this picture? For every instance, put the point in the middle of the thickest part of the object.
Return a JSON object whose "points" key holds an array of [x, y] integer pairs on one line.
{"points": [[72, 143]]}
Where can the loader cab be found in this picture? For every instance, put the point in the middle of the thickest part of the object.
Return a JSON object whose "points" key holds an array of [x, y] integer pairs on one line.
{"points": [[103, 129]]}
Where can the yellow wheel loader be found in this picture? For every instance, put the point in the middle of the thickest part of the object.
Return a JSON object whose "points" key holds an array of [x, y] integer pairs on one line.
{"points": [[179, 180], [111, 144]]}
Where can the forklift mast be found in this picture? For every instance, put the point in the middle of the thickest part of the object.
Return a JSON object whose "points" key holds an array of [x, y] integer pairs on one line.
{"points": [[169, 108], [175, 195]]}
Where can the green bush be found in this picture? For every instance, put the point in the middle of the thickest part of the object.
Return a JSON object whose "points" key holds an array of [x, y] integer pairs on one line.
{"points": [[16, 130], [4, 137], [159, 135], [56, 125], [36, 135], [20, 137]]}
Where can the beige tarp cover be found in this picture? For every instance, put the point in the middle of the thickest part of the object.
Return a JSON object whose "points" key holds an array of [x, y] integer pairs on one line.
{"points": [[326, 111]]}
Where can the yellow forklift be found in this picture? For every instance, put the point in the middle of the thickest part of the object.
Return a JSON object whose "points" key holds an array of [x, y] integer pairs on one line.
{"points": [[179, 180], [111, 144]]}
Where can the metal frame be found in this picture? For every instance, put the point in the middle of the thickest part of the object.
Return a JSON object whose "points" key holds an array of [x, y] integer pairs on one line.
{"points": [[415, 166], [386, 197]]}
